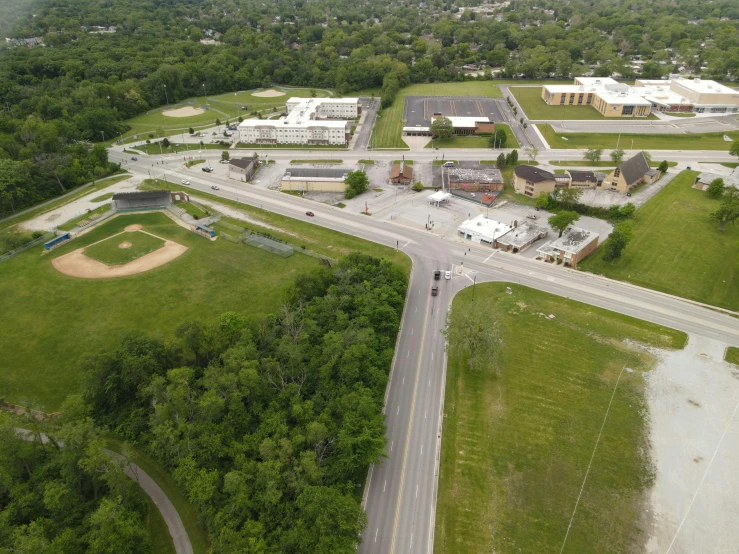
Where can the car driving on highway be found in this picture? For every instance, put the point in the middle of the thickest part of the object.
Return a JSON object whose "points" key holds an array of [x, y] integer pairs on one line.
{"points": [[434, 291], [448, 275]]}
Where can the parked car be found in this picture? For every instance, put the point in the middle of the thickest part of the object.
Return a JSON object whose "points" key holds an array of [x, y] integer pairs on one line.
{"points": [[214, 187], [434, 291], [134, 158], [448, 275], [531, 216], [628, 194], [207, 169], [310, 214], [448, 164], [223, 162], [437, 275]]}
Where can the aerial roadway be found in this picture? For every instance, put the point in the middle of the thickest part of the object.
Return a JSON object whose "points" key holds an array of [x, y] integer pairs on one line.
{"points": [[400, 495]]}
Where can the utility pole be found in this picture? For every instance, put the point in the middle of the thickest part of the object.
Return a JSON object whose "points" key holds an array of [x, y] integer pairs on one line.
{"points": [[166, 96]]}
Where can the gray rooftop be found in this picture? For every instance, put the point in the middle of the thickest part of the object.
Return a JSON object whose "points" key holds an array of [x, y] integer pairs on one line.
{"points": [[524, 234], [475, 174], [327, 172], [572, 240], [634, 168]]}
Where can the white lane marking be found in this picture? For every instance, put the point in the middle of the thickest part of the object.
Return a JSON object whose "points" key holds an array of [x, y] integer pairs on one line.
{"points": [[385, 485], [403, 381], [376, 531], [411, 547], [429, 382], [416, 309], [411, 331], [424, 414], [490, 256], [432, 356], [391, 445], [398, 412], [416, 490], [409, 354], [421, 450]]}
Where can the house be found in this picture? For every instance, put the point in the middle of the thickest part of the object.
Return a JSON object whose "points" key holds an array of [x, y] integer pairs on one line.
{"points": [[630, 174], [473, 179], [706, 178], [533, 181], [572, 247], [312, 179], [309, 121], [244, 166], [482, 230], [401, 174], [520, 238]]}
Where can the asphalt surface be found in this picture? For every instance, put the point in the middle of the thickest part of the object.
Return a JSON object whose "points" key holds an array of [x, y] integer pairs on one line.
{"points": [[176, 529], [400, 496], [370, 106]]}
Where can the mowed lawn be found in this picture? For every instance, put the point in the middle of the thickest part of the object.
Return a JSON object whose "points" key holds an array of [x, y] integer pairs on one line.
{"points": [[473, 141], [516, 444], [389, 125], [114, 251], [51, 321], [530, 100], [694, 141], [677, 249], [732, 355]]}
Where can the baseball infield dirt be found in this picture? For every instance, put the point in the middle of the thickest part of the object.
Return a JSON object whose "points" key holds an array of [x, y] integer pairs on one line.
{"points": [[271, 93], [135, 227], [187, 111], [76, 264]]}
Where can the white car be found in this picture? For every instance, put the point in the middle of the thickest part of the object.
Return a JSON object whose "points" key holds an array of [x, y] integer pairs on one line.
{"points": [[448, 275], [214, 187], [185, 182]]}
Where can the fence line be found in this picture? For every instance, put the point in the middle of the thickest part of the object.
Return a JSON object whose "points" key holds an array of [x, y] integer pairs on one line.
{"points": [[105, 215], [34, 242]]}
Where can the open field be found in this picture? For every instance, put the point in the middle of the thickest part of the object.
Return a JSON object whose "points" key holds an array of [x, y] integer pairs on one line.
{"points": [[388, 127], [529, 98], [677, 249], [123, 248], [181, 148], [609, 164], [52, 321], [517, 443], [473, 141], [695, 141], [196, 533], [732, 355], [223, 106]]}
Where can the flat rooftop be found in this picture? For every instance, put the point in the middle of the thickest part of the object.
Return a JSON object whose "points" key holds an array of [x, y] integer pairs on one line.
{"points": [[705, 86], [315, 173], [489, 228], [328, 100], [475, 174], [524, 234], [572, 241]]}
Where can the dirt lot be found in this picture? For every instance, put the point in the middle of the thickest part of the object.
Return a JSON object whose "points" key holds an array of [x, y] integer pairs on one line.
{"points": [[692, 396], [186, 111]]}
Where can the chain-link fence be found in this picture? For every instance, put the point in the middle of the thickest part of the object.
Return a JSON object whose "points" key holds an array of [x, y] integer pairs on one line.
{"points": [[34, 242]]}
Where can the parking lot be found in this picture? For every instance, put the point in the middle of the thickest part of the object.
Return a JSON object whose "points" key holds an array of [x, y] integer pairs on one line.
{"points": [[419, 109]]}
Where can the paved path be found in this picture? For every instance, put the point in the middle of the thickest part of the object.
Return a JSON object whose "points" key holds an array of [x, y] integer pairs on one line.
{"points": [[164, 505], [401, 491]]}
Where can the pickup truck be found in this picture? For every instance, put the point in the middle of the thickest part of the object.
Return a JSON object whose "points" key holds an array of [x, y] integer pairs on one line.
{"points": [[434, 291]]}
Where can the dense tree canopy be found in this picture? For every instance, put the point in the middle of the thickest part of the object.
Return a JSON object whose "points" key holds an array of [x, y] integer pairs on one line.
{"points": [[269, 424]]}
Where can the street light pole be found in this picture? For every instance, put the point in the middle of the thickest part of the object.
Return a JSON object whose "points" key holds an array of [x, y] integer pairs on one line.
{"points": [[166, 96]]}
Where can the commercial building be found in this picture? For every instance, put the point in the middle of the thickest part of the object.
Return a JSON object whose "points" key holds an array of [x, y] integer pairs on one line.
{"points": [[572, 247], [582, 179], [520, 238], [401, 174], [473, 179], [243, 166], [309, 121], [461, 126], [614, 99], [730, 180], [630, 174], [309, 179], [482, 230]]}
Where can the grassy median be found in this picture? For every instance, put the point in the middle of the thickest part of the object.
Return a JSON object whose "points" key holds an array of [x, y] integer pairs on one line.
{"points": [[678, 249], [517, 441]]}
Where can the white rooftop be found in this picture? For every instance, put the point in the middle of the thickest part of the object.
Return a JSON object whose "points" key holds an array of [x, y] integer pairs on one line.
{"points": [[705, 86], [488, 228], [458, 122], [439, 196], [328, 100], [572, 241]]}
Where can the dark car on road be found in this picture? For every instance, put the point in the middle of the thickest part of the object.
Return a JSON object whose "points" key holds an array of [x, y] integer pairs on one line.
{"points": [[207, 169], [437, 275], [310, 214], [434, 291]]}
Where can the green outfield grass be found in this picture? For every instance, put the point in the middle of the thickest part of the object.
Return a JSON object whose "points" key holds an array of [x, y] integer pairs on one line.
{"points": [[695, 141], [110, 252], [530, 100], [389, 125], [677, 249], [517, 442], [732, 355]]}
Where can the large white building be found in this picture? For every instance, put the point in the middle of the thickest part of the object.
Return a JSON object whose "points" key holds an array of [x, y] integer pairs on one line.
{"points": [[482, 230], [309, 121]]}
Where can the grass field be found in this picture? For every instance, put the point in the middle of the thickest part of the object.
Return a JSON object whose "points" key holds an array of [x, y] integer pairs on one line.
{"points": [[681, 114], [516, 445], [103, 197], [677, 249], [472, 141], [72, 223], [267, 147], [610, 164], [109, 251], [223, 106], [529, 98], [388, 127], [695, 141], [196, 533], [732, 355], [191, 209]]}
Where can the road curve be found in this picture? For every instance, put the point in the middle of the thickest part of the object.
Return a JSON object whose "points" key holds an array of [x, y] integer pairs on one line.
{"points": [[176, 528]]}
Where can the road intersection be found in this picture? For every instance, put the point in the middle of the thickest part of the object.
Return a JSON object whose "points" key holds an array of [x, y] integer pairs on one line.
{"points": [[401, 490]]}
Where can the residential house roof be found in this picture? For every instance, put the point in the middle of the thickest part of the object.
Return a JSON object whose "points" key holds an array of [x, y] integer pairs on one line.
{"points": [[582, 176], [634, 168], [407, 171], [533, 173], [243, 163]]}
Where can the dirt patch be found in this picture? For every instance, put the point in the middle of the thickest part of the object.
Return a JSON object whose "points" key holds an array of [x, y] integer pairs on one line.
{"points": [[187, 111], [271, 93], [76, 264], [132, 228], [125, 244]]}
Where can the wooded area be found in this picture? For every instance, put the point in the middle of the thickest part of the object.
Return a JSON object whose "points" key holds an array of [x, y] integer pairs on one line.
{"points": [[269, 424], [82, 84]]}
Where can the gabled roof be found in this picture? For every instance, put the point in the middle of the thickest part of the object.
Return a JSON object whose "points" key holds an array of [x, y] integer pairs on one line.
{"points": [[407, 171], [634, 168], [243, 163], [582, 176], [533, 173]]}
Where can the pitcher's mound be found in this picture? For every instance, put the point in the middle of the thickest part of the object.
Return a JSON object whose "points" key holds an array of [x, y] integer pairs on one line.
{"points": [[125, 245], [271, 93], [187, 111], [134, 227]]}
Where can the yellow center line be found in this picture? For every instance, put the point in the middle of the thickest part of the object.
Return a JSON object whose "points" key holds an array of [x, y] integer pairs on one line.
{"points": [[410, 426]]}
